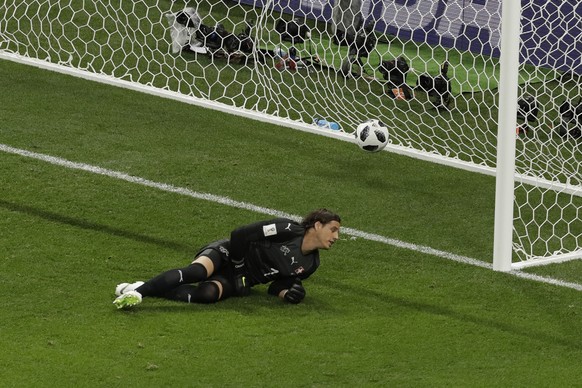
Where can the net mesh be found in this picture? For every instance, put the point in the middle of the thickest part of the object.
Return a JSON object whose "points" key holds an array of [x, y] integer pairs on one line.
{"points": [[429, 70]]}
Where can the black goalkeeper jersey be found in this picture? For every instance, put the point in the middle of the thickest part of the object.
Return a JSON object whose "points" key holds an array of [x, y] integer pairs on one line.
{"points": [[271, 250]]}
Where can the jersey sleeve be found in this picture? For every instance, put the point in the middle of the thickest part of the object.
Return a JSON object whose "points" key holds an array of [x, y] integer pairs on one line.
{"points": [[280, 228]]}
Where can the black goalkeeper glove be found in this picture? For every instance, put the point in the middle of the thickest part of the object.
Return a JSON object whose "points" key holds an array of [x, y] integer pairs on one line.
{"points": [[241, 286], [295, 293]]}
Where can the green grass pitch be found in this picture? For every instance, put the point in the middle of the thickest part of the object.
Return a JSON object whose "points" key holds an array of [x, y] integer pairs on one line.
{"points": [[375, 314]]}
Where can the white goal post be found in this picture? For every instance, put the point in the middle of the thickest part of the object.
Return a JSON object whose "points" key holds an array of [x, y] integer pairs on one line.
{"points": [[507, 122], [490, 86]]}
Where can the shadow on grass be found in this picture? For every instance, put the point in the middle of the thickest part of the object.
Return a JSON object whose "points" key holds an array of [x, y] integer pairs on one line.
{"points": [[432, 309], [88, 225]]}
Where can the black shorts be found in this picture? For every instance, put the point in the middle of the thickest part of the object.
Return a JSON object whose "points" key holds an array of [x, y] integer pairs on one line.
{"points": [[223, 271], [219, 259]]}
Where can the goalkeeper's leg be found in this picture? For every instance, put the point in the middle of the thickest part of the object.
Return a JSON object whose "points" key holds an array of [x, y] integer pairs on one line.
{"points": [[210, 291], [201, 269]]}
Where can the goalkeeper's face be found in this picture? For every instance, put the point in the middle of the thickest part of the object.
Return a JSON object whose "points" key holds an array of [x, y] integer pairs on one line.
{"points": [[327, 234]]}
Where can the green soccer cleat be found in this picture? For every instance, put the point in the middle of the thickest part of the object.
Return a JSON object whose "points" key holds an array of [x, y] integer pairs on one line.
{"points": [[128, 299]]}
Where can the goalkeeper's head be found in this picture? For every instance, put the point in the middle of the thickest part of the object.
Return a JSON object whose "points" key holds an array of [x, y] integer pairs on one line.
{"points": [[323, 216], [322, 226]]}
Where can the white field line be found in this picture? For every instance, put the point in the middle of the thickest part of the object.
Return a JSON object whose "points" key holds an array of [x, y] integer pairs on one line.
{"points": [[272, 212]]}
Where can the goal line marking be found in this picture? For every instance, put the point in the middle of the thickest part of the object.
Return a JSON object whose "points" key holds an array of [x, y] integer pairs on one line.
{"points": [[272, 212]]}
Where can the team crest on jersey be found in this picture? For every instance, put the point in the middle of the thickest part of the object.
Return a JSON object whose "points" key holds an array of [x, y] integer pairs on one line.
{"points": [[269, 230], [285, 250], [299, 270]]}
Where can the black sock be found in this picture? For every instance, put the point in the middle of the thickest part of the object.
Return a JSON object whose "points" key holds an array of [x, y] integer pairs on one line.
{"points": [[171, 279]]}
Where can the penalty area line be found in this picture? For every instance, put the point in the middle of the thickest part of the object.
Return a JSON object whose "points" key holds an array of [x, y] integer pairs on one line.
{"points": [[268, 211]]}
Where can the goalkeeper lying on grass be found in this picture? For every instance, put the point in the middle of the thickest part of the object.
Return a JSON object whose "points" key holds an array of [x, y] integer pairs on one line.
{"points": [[280, 251]]}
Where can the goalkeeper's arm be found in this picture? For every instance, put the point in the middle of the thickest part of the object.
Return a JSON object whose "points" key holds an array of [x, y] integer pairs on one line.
{"points": [[290, 289]]}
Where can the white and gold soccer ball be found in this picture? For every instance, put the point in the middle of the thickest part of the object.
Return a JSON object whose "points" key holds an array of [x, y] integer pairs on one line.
{"points": [[372, 135]]}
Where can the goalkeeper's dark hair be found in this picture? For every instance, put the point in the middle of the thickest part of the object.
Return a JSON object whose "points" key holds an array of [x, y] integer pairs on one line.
{"points": [[322, 215]]}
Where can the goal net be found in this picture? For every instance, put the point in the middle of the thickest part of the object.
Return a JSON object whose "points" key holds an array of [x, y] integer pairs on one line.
{"points": [[427, 69]]}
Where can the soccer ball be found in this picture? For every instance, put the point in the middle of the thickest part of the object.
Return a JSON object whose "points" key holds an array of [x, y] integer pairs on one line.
{"points": [[372, 135]]}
